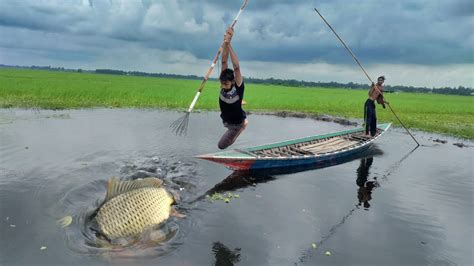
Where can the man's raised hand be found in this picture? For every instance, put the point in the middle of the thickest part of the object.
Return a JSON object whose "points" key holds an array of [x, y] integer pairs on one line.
{"points": [[228, 35]]}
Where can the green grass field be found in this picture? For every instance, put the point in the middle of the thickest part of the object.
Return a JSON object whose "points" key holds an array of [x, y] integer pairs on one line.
{"points": [[452, 115]]}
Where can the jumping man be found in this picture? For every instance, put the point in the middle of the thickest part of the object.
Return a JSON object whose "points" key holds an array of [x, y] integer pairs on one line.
{"points": [[231, 95], [375, 94]]}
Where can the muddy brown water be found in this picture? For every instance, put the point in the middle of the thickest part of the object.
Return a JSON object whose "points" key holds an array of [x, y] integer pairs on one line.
{"points": [[56, 163]]}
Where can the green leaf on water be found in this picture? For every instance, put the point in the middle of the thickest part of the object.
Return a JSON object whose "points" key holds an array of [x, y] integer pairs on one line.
{"points": [[226, 197], [216, 196]]}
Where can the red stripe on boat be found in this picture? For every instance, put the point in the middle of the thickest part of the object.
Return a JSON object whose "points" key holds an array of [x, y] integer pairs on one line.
{"points": [[234, 164]]}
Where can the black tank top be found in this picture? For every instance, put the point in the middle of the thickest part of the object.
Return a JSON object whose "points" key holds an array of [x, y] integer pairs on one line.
{"points": [[230, 103]]}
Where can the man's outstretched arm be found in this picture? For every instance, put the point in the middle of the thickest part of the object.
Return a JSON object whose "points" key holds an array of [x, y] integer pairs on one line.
{"points": [[236, 66], [225, 53], [225, 46]]}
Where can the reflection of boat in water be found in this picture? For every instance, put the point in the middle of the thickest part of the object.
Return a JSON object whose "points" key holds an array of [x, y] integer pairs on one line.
{"points": [[242, 179], [313, 150]]}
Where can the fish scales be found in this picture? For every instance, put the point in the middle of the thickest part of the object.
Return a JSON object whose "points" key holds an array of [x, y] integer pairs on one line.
{"points": [[130, 213]]}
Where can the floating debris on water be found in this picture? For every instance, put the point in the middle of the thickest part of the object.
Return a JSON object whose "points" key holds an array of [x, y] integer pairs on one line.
{"points": [[59, 116], [328, 253], [318, 117], [461, 145], [226, 197], [314, 245], [65, 221], [12, 225], [43, 248], [440, 141]]}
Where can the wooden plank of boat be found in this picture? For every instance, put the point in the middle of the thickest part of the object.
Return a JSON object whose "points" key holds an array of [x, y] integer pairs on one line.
{"points": [[323, 145], [360, 137], [329, 149], [337, 147], [297, 152], [300, 151], [330, 141]]}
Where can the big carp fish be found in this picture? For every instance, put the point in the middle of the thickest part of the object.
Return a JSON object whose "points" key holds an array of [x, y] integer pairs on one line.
{"points": [[131, 207]]}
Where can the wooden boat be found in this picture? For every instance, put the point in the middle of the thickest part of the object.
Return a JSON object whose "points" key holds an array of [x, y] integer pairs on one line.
{"points": [[319, 149]]}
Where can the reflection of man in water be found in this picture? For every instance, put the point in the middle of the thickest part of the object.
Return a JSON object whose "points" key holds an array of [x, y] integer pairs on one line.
{"points": [[225, 256], [364, 193]]}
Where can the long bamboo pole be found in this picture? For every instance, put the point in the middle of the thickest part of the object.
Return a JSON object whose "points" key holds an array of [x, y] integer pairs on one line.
{"points": [[365, 72]]}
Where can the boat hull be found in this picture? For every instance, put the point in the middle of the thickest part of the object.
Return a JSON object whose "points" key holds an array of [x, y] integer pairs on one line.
{"points": [[267, 164], [248, 159]]}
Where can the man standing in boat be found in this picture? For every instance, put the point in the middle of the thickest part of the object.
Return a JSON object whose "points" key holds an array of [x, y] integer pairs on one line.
{"points": [[231, 95], [370, 117]]}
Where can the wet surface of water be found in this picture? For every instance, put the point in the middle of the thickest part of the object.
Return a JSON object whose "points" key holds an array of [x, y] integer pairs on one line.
{"points": [[386, 207]]}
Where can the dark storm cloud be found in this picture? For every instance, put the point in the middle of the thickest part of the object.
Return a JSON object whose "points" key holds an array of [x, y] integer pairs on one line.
{"points": [[413, 32]]}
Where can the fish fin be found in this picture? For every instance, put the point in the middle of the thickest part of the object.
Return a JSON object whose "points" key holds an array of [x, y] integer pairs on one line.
{"points": [[157, 236], [111, 187], [175, 213], [116, 187], [174, 194]]}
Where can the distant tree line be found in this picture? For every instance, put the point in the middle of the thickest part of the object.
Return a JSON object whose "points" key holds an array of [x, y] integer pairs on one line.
{"points": [[144, 74], [272, 81], [388, 88]]}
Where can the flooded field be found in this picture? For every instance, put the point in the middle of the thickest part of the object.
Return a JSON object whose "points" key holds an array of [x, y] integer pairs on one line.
{"points": [[388, 206]]}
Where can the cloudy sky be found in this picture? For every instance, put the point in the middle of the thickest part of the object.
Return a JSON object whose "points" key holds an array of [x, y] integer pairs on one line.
{"points": [[412, 42]]}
